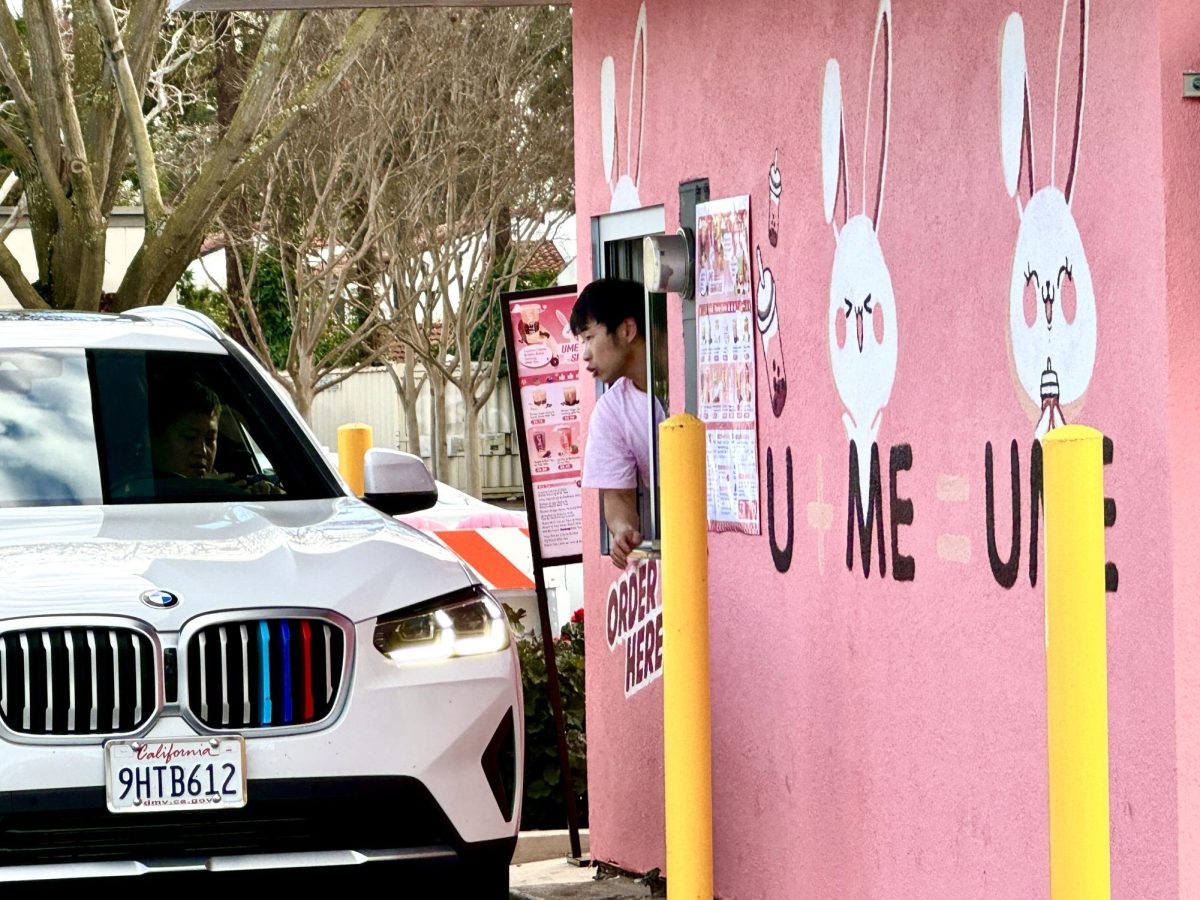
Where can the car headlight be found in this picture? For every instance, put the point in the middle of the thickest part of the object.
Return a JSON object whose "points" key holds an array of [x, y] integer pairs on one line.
{"points": [[441, 630]]}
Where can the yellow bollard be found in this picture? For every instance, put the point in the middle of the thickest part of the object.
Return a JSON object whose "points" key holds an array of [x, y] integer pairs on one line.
{"points": [[354, 440], [1076, 663], [687, 737]]}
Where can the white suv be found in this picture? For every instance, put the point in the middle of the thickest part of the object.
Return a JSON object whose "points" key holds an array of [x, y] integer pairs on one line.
{"points": [[212, 655]]}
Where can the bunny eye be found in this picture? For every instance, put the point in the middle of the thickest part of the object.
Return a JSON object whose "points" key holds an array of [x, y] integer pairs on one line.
{"points": [[849, 308], [1065, 270], [867, 305], [1030, 275], [1067, 300]]}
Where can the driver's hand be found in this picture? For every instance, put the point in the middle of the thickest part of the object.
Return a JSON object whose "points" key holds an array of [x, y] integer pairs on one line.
{"points": [[251, 485], [263, 487], [622, 545]]}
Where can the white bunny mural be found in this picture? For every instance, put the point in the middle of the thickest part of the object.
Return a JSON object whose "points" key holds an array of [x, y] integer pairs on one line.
{"points": [[1052, 304], [624, 173], [863, 334]]}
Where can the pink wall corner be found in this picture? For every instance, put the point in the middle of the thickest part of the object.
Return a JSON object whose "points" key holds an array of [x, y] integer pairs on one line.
{"points": [[873, 737], [625, 786], [1180, 25]]}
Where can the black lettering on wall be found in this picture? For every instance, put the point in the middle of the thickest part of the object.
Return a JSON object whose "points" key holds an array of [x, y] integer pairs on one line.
{"points": [[1035, 506], [874, 514], [1112, 577], [1003, 570], [781, 556], [904, 568]]}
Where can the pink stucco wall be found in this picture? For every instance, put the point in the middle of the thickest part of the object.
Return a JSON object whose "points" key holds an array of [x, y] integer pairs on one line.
{"points": [[1180, 26], [884, 738]]}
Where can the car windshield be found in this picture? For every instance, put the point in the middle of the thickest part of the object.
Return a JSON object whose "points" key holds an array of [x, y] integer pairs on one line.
{"points": [[84, 427]]}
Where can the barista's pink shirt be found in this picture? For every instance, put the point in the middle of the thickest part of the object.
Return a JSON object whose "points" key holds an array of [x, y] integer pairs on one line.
{"points": [[617, 454]]}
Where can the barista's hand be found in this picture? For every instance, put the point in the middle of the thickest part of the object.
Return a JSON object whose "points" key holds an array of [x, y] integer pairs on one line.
{"points": [[622, 545]]}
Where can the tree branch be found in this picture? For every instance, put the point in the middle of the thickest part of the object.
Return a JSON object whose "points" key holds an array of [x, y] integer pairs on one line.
{"points": [[131, 104], [15, 74], [10, 271]]}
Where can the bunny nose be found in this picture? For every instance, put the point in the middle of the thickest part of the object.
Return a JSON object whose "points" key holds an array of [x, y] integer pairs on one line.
{"points": [[858, 323]]}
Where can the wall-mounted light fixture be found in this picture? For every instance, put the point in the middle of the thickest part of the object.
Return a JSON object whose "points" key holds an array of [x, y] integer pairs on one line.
{"points": [[1191, 85], [667, 263]]}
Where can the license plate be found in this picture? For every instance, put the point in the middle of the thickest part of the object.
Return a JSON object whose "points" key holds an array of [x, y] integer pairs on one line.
{"points": [[181, 774]]}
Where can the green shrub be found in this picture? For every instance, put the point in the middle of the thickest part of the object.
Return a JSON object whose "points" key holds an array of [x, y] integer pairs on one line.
{"points": [[543, 805]]}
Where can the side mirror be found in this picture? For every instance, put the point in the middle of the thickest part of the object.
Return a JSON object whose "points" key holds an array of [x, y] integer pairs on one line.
{"points": [[395, 482]]}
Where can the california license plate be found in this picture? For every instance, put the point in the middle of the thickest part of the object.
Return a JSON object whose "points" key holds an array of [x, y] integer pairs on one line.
{"points": [[181, 774]]}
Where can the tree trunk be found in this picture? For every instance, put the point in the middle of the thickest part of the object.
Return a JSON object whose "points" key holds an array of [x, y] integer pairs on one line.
{"points": [[437, 437], [411, 394], [303, 395], [407, 395], [77, 263], [228, 73], [474, 463]]}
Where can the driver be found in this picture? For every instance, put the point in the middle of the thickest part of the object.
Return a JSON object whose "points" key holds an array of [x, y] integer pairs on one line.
{"points": [[184, 428]]}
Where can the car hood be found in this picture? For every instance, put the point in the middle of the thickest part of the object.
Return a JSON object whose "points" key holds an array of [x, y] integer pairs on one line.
{"points": [[335, 554]]}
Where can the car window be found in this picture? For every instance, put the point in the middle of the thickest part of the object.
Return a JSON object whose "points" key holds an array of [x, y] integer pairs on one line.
{"points": [[47, 435], [126, 426]]}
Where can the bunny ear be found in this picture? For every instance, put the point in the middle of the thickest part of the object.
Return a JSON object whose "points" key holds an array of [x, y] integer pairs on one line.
{"points": [[883, 26], [637, 96], [833, 141], [608, 116], [1016, 129], [1079, 84]]}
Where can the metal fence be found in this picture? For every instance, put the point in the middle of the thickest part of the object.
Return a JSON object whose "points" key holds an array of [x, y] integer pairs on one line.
{"points": [[370, 396]]}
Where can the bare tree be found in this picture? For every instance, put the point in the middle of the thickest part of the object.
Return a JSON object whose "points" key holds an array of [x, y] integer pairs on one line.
{"points": [[483, 134], [317, 217], [81, 75]]}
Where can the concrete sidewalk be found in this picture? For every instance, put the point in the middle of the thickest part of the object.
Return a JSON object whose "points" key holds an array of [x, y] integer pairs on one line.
{"points": [[557, 879], [541, 870]]}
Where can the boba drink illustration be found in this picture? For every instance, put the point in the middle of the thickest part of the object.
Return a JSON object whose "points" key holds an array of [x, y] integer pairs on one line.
{"points": [[570, 396], [1052, 414], [539, 396], [775, 182], [768, 330], [532, 332], [566, 440], [539, 445]]}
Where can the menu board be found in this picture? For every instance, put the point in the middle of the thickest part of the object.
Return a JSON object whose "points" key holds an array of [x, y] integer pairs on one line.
{"points": [[544, 368], [726, 337]]}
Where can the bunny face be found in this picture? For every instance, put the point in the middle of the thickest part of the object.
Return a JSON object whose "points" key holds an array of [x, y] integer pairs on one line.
{"points": [[623, 174], [863, 339], [1052, 302], [1052, 305]]}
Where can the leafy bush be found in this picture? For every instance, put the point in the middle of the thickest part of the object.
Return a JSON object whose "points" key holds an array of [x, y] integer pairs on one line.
{"points": [[543, 805], [207, 300]]}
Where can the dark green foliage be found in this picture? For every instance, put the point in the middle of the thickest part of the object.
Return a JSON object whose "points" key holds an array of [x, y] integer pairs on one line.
{"points": [[271, 300], [204, 299], [543, 803]]}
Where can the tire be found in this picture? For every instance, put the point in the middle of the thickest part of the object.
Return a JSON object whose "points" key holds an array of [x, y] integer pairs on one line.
{"points": [[480, 880]]}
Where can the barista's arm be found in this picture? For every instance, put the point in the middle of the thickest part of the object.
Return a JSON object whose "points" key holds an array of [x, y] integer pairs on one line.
{"points": [[621, 516]]}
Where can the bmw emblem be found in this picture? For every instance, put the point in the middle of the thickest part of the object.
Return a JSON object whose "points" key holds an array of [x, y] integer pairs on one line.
{"points": [[160, 599]]}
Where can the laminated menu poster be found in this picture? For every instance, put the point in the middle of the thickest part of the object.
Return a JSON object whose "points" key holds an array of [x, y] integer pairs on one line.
{"points": [[725, 339], [544, 371]]}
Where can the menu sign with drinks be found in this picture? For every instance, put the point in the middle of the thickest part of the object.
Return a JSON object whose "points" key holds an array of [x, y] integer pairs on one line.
{"points": [[725, 339], [544, 369]]}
